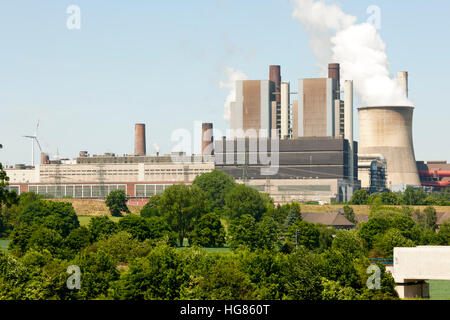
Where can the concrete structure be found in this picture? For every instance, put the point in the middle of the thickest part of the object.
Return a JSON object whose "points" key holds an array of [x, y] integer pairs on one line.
{"points": [[252, 109], [94, 180], [348, 121], [285, 123], [387, 131], [335, 74], [313, 113], [414, 265], [402, 78], [139, 140], [308, 168], [275, 77], [207, 139]]}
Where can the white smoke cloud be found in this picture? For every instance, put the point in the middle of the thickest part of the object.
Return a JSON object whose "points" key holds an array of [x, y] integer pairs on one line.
{"points": [[232, 77], [335, 37], [155, 146]]}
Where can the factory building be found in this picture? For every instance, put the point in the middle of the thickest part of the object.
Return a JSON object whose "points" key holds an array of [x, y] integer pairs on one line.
{"points": [[434, 174], [307, 169], [139, 175]]}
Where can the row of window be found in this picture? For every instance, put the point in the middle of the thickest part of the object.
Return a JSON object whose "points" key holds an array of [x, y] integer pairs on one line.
{"points": [[76, 191]]}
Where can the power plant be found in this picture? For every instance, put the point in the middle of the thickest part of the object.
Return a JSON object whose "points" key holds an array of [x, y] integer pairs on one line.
{"points": [[305, 137], [386, 131]]}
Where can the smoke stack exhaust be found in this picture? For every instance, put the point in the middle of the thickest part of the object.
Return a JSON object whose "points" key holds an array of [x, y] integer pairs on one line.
{"points": [[139, 139], [207, 139]]}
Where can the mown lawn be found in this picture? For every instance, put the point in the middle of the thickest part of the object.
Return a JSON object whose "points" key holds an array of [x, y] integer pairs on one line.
{"points": [[84, 220], [439, 289], [4, 245]]}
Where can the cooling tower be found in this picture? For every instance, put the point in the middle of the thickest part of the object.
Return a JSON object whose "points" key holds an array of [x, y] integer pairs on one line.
{"points": [[387, 130], [139, 139], [207, 139]]}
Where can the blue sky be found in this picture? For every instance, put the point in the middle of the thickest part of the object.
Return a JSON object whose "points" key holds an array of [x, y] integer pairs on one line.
{"points": [[160, 63]]}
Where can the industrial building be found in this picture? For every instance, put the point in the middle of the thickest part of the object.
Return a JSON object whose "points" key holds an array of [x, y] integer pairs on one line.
{"points": [[95, 176], [307, 169], [385, 136], [316, 158], [434, 174]]}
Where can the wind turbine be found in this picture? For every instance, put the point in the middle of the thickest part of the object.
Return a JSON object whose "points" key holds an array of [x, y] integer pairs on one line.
{"points": [[33, 138]]}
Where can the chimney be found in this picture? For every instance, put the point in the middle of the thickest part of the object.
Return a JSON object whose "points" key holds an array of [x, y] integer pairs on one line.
{"points": [[207, 139], [139, 139], [334, 73], [402, 78], [275, 76], [45, 158], [348, 123]]}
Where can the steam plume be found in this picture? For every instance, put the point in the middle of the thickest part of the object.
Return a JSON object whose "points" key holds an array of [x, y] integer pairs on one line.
{"points": [[335, 37], [232, 77]]}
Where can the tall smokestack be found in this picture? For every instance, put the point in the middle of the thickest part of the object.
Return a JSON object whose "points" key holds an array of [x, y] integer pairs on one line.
{"points": [[348, 123], [402, 78], [275, 76], [285, 109], [335, 74], [207, 139], [139, 139]]}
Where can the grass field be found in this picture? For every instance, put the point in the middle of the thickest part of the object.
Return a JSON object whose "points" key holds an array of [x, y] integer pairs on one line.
{"points": [[90, 207], [84, 220], [4, 245], [439, 290]]}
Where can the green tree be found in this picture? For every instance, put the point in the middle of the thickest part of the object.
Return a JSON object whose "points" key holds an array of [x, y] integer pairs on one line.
{"points": [[223, 281], [267, 231], [208, 231], [243, 232], [333, 290], [300, 278], [429, 218], [388, 241], [158, 276], [360, 197], [151, 208], [326, 236], [77, 239], [307, 234], [122, 247], [215, 184], [245, 200], [98, 272], [160, 230], [293, 215], [116, 201], [348, 242], [101, 227], [390, 198], [414, 197], [182, 205], [444, 232], [350, 214], [135, 225]]}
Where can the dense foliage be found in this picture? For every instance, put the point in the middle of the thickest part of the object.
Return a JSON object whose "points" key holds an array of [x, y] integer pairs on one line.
{"points": [[273, 254]]}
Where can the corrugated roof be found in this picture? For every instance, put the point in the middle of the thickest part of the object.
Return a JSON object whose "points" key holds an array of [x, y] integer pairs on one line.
{"points": [[326, 218], [442, 217]]}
